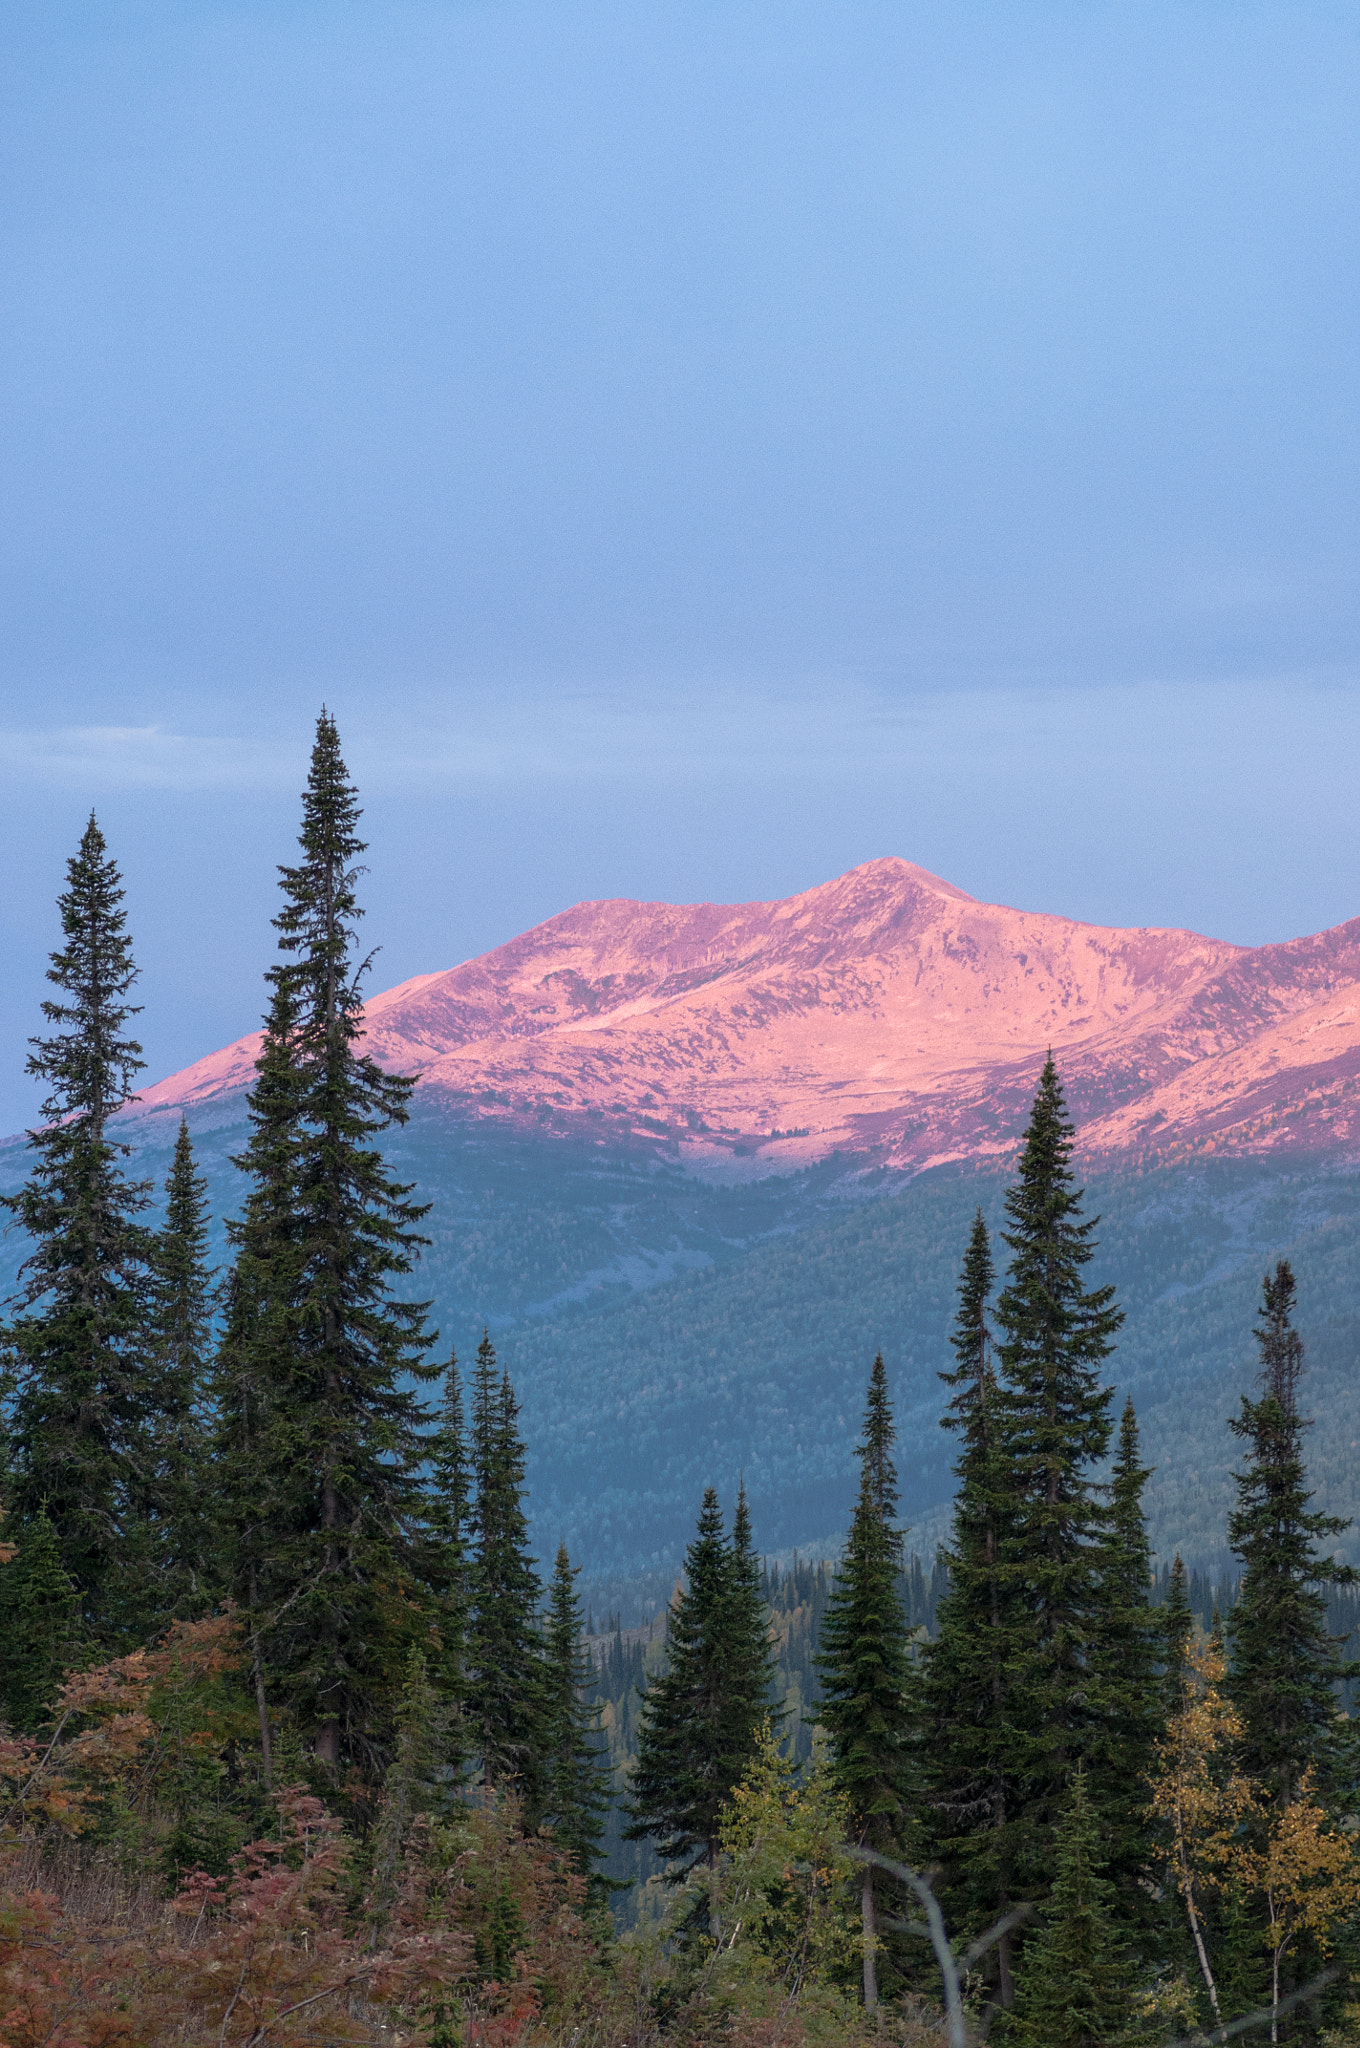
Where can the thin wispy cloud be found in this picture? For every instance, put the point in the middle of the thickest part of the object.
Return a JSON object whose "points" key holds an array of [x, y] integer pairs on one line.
{"points": [[809, 730]]}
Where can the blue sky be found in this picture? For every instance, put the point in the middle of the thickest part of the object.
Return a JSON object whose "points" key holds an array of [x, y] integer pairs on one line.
{"points": [[692, 447]]}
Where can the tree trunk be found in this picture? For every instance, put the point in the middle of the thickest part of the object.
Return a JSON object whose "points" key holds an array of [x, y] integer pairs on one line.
{"points": [[1189, 1891], [1005, 1980], [866, 1907]]}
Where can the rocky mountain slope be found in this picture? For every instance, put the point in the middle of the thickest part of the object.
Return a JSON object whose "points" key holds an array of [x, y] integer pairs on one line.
{"points": [[885, 1014]]}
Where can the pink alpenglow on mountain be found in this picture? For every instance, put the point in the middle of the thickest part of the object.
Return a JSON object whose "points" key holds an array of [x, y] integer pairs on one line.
{"points": [[885, 1014]]}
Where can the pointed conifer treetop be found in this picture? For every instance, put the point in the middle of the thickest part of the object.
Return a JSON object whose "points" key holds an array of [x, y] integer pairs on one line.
{"points": [[89, 1063], [1077, 1985], [687, 1759], [504, 1690], [866, 1678], [319, 1352], [968, 1757], [1178, 1633], [973, 1378], [1056, 1334], [448, 1570], [576, 1795], [178, 1492], [1285, 1665], [184, 1322], [450, 1510], [879, 1438], [1128, 1689], [751, 1659], [84, 1425]]}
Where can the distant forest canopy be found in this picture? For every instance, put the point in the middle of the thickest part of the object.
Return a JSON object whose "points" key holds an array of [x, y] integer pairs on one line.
{"points": [[753, 1362], [289, 1702]]}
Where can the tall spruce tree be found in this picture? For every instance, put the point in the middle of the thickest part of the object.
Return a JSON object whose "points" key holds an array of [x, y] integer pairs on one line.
{"points": [[867, 1705], [972, 1792], [1178, 1633], [250, 1373], [326, 1439], [575, 1793], [1125, 1662], [448, 1571], [692, 1750], [505, 1680], [85, 1434], [1077, 1982], [181, 1329], [1284, 1667], [751, 1706], [1054, 1338]]}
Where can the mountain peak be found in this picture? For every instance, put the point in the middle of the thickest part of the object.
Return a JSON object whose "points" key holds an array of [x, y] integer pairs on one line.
{"points": [[885, 1013]]}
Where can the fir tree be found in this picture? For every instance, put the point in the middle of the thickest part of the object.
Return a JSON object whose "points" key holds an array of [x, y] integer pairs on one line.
{"points": [[750, 1653], [448, 1571], [575, 1770], [328, 1498], [867, 1688], [1178, 1633], [41, 1634], [84, 1431], [1076, 1986], [1125, 1662], [1055, 1338], [1285, 1666], [415, 1783], [262, 1295], [687, 1758], [505, 1683], [968, 1765], [179, 1358]]}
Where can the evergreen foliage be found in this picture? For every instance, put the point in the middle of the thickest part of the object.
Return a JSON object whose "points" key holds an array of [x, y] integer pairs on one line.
{"points": [[250, 1369], [751, 1707], [868, 1692], [178, 1364], [505, 1675], [1125, 1660], [448, 1569], [692, 1748], [1178, 1632], [86, 1438], [968, 1766], [1284, 1666], [41, 1631], [1055, 1337], [575, 1773], [325, 1437], [1076, 1986]]}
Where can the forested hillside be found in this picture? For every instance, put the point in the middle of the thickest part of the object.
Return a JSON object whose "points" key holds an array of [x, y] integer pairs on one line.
{"points": [[747, 1358]]}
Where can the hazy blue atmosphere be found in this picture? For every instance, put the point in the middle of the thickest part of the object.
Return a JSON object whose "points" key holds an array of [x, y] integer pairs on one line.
{"points": [[692, 447]]}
